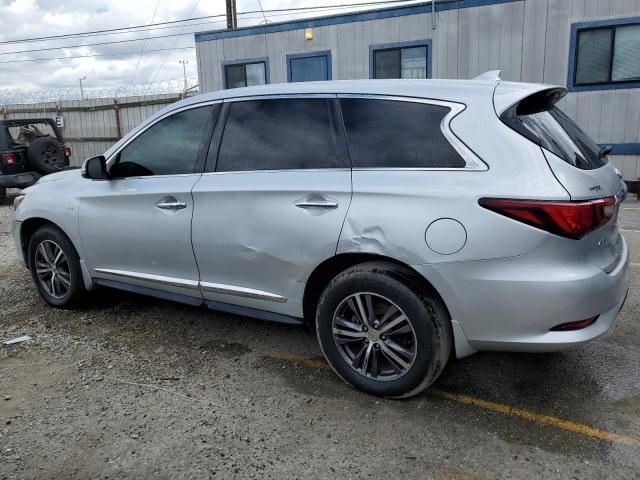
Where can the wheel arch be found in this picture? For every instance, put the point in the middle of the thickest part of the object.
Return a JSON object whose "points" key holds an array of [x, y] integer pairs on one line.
{"points": [[328, 269], [30, 225]]}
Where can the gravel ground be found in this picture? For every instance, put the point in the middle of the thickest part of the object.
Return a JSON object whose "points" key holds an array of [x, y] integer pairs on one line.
{"points": [[130, 387]]}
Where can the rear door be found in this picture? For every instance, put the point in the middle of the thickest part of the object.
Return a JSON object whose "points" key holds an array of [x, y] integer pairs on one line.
{"points": [[273, 202]]}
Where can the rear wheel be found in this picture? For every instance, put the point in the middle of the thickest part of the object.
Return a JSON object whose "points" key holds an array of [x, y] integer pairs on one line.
{"points": [[3, 195], [55, 267], [381, 333]]}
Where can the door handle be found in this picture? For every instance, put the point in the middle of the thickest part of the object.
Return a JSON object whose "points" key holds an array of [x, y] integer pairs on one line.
{"points": [[171, 203], [320, 203]]}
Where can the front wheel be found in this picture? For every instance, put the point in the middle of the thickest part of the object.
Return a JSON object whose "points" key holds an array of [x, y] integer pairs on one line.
{"points": [[382, 334], [55, 267]]}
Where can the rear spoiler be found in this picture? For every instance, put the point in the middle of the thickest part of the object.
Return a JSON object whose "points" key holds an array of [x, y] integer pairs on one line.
{"points": [[530, 97]]}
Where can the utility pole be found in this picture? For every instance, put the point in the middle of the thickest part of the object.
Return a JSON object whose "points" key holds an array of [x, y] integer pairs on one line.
{"points": [[81, 88], [184, 72], [232, 16]]}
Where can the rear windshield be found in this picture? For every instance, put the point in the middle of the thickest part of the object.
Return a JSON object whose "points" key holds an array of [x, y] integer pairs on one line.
{"points": [[555, 131]]}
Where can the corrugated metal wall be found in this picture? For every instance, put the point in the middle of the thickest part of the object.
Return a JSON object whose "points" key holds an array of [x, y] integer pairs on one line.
{"points": [[528, 40], [90, 126]]}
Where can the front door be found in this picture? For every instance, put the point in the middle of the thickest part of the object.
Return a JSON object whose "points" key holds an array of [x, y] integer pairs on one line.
{"points": [[136, 227], [309, 67], [273, 208]]}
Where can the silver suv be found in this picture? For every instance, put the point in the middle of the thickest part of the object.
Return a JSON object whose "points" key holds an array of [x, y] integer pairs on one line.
{"points": [[405, 221]]}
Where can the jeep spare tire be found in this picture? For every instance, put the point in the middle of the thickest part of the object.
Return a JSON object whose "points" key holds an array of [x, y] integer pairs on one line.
{"points": [[45, 155]]}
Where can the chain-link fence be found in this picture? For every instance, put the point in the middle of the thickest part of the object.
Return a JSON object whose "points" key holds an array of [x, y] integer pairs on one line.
{"points": [[91, 125]]}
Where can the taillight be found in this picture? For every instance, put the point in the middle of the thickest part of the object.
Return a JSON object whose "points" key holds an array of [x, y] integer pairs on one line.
{"points": [[8, 159], [567, 219], [67, 151]]}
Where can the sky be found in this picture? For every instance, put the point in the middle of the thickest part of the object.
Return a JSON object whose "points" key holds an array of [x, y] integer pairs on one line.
{"points": [[21, 19]]}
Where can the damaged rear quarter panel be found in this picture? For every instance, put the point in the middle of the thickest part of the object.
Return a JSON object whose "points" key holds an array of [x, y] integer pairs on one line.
{"points": [[391, 210]]}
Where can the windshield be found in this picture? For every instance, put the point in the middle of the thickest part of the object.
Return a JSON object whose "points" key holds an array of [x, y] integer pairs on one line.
{"points": [[552, 129]]}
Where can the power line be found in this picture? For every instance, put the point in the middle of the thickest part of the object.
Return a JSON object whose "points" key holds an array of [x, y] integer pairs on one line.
{"points": [[95, 55], [144, 44], [133, 29], [164, 60], [114, 42]]}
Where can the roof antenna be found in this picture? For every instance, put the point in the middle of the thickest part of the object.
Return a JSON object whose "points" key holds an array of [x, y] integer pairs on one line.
{"points": [[490, 75]]}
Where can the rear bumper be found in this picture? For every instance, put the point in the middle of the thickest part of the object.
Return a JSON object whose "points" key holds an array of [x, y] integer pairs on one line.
{"points": [[511, 304], [19, 180]]}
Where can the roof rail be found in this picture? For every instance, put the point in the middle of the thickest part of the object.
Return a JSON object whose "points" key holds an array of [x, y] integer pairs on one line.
{"points": [[490, 75]]}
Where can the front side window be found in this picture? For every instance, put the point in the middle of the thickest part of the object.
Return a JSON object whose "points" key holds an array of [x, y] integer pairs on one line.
{"points": [[407, 62], [278, 134], [170, 147], [608, 55], [397, 134], [245, 74]]}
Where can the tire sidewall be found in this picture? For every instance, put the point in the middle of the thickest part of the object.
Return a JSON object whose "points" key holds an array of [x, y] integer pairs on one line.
{"points": [[415, 308], [55, 235], [36, 161]]}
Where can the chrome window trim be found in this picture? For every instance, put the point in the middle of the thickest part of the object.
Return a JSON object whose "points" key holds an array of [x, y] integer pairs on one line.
{"points": [[241, 292], [338, 169], [267, 96], [171, 281], [473, 162], [115, 154]]}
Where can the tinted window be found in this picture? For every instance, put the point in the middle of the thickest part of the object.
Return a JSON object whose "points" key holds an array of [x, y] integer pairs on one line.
{"points": [[409, 62], [608, 55], [245, 74], [395, 134], [169, 147], [278, 134], [553, 130]]}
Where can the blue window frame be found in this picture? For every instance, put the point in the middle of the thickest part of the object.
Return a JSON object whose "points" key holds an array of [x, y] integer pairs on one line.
{"points": [[309, 66], [245, 72], [400, 60], [604, 55]]}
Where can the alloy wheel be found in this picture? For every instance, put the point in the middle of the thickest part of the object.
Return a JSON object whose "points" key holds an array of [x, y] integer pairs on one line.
{"points": [[52, 269], [374, 336]]}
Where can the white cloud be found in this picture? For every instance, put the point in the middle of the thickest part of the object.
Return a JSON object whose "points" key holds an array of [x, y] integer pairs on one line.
{"points": [[38, 18]]}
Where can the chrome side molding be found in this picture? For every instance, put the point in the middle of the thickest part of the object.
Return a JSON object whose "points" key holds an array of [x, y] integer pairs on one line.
{"points": [[219, 288], [174, 282], [241, 292]]}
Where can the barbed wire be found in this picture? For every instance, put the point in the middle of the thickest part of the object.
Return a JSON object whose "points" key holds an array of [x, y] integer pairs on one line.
{"points": [[61, 94]]}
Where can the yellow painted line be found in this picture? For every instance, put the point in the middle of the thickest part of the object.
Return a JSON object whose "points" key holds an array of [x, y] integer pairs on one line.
{"points": [[635, 264], [539, 418], [501, 408]]}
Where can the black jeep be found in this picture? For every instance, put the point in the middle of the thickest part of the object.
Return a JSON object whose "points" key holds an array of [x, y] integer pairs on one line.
{"points": [[29, 149]]}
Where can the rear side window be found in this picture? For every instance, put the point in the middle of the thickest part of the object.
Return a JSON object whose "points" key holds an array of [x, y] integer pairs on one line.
{"points": [[550, 128], [278, 134], [397, 134]]}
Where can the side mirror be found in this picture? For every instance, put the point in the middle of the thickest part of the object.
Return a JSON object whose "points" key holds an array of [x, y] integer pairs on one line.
{"points": [[95, 168]]}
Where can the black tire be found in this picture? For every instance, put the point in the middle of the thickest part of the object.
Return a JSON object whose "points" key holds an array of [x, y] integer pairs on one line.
{"points": [[3, 195], [45, 155], [51, 235], [426, 314]]}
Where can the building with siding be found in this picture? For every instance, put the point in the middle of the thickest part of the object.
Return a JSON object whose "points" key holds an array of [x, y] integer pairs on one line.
{"points": [[590, 46]]}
